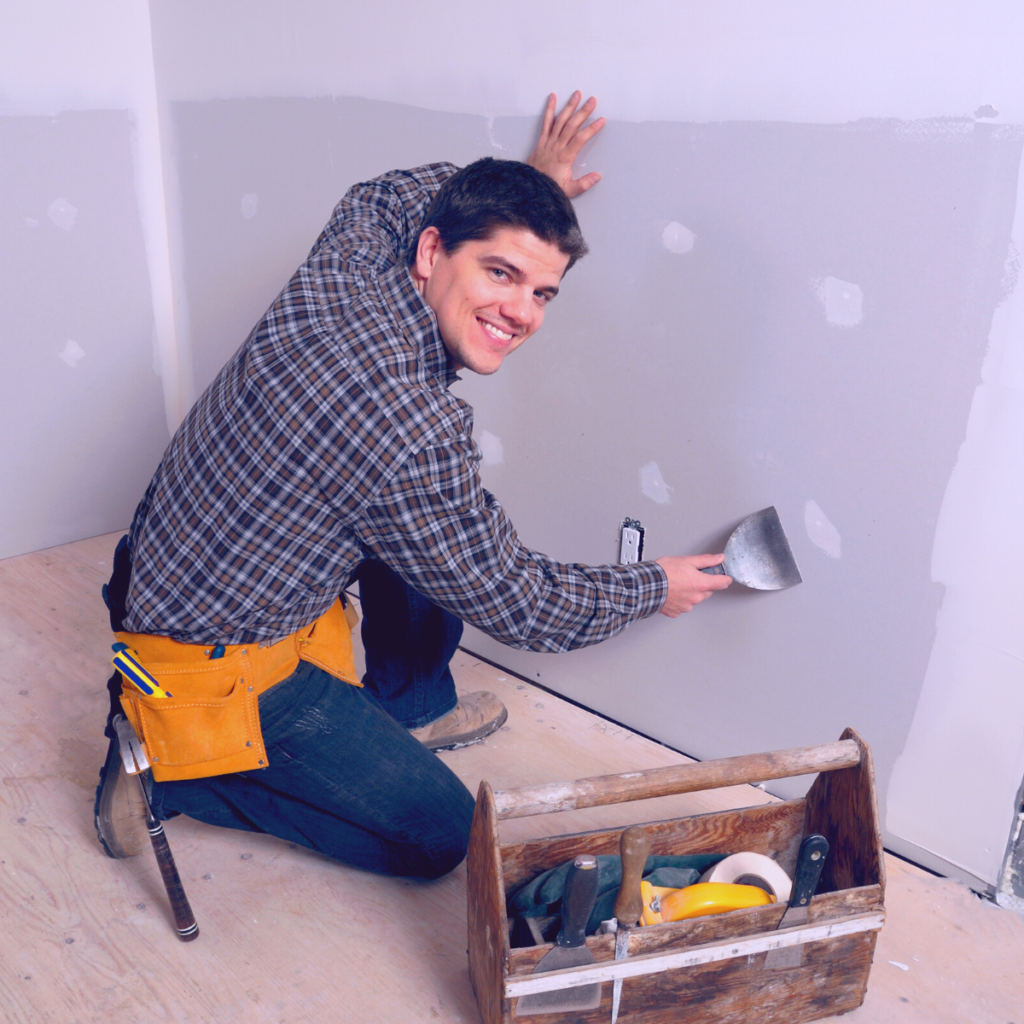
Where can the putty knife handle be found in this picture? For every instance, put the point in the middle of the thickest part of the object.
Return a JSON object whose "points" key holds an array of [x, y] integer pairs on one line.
{"points": [[578, 899], [634, 846], [810, 861], [716, 570]]}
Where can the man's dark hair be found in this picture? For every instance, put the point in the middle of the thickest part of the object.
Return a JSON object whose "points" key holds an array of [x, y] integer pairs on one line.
{"points": [[490, 194]]}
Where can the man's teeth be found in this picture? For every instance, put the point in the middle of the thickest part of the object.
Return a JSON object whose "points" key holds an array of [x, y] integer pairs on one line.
{"points": [[494, 330]]}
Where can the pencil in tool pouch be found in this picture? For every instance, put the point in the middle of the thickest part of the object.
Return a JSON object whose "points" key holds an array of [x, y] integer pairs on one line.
{"points": [[133, 671]]}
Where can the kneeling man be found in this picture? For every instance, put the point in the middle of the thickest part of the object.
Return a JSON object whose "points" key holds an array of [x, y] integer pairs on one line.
{"points": [[329, 450]]}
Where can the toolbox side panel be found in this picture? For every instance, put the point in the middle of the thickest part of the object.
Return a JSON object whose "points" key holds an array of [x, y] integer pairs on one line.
{"points": [[832, 979], [487, 925], [842, 806], [771, 829]]}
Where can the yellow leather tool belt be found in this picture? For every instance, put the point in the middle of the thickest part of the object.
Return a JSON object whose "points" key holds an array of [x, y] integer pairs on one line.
{"points": [[211, 724]]}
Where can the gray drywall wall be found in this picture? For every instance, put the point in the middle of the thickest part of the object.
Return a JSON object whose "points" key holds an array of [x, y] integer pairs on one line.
{"points": [[90, 361], [772, 313], [820, 342], [81, 406], [258, 181]]}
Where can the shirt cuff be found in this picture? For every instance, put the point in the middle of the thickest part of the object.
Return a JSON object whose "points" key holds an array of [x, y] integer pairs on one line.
{"points": [[652, 590]]}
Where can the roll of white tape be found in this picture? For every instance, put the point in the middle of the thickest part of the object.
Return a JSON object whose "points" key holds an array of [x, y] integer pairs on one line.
{"points": [[759, 869]]}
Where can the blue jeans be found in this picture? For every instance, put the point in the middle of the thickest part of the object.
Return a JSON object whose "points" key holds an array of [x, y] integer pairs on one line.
{"points": [[345, 777], [408, 644]]}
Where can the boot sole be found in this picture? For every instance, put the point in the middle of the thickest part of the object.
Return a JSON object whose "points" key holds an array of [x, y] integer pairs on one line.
{"points": [[467, 739]]}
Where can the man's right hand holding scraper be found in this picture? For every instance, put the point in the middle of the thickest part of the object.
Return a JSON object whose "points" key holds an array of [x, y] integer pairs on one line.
{"points": [[329, 450]]}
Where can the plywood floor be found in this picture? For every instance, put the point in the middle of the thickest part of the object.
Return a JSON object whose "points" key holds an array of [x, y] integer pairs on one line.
{"points": [[290, 937]]}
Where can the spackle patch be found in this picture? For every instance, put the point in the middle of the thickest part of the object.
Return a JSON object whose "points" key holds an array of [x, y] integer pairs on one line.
{"points": [[490, 448], [490, 134], [72, 353], [677, 238], [821, 532], [250, 204], [62, 213], [31, 222], [653, 485], [843, 301]]}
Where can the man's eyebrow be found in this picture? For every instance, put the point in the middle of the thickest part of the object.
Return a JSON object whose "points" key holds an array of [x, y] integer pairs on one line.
{"points": [[495, 260]]}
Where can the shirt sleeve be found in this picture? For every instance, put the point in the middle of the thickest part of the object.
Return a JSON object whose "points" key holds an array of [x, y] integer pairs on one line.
{"points": [[376, 221], [449, 538]]}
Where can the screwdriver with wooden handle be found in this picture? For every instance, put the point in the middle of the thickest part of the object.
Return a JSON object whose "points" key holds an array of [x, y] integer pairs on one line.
{"points": [[634, 846]]}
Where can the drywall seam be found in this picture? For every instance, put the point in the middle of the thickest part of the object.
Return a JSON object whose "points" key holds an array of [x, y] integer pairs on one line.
{"points": [[153, 171], [171, 353], [954, 787]]}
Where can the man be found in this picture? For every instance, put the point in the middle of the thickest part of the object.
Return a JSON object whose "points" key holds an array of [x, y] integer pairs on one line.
{"points": [[329, 449]]}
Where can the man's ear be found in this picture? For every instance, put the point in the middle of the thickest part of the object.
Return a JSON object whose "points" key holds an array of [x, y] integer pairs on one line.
{"points": [[428, 249]]}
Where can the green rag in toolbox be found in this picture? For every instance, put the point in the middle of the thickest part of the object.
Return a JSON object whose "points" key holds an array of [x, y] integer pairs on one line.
{"points": [[542, 896]]}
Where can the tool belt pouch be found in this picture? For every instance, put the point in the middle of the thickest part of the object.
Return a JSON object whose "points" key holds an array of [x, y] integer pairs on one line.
{"points": [[211, 726]]}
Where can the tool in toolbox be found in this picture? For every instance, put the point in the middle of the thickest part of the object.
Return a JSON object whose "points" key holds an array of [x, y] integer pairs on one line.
{"points": [[634, 847], [702, 899], [758, 555], [809, 863], [135, 761], [570, 945], [749, 868]]}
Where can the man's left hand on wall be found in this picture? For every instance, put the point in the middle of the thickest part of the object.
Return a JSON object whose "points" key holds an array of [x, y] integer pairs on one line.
{"points": [[561, 139]]}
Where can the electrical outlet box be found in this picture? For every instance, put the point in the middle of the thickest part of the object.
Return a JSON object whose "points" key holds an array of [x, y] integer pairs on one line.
{"points": [[631, 542]]}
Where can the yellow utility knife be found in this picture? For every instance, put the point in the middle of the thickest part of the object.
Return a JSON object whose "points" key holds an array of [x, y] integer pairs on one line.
{"points": [[133, 671]]}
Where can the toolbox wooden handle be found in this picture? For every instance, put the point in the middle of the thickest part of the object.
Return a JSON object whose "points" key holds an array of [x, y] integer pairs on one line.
{"points": [[681, 778]]}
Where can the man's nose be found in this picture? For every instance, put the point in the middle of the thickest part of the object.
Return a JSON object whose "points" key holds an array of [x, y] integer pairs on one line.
{"points": [[519, 308]]}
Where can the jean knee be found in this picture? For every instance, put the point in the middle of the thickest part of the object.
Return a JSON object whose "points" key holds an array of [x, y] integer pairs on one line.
{"points": [[446, 848]]}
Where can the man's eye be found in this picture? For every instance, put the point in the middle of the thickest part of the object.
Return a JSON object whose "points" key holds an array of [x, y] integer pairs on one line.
{"points": [[498, 272]]}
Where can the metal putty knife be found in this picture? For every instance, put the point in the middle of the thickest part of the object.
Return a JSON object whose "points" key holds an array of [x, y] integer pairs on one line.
{"points": [[811, 860], [758, 555], [634, 846], [578, 899]]}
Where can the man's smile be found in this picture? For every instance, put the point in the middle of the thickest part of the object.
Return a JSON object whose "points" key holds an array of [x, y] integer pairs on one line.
{"points": [[498, 333]]}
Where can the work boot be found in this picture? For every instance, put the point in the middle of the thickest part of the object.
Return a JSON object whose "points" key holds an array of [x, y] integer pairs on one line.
{"points": [[475, 716], [120, 813]]}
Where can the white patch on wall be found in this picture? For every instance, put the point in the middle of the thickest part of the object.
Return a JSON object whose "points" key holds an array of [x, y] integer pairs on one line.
{"points": [[843, 301], [62, 213], [72, 353], [821, 532], [677, 238], [490, 448], [250, 203], [495, 144], [653, 485], [31, 222]]}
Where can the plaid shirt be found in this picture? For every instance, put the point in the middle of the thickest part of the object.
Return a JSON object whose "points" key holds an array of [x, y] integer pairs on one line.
{"points": [[331, 437]]}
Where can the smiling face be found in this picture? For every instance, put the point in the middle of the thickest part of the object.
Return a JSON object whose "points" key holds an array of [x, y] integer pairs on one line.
{"points": [[489, 295]]}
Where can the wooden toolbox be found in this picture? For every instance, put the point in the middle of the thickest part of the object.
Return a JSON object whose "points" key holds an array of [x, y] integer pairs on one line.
{"points": [[707, 969]]}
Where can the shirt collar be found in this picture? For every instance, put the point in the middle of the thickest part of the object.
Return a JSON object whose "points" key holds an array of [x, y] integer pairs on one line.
{"points": [[417, 321]]}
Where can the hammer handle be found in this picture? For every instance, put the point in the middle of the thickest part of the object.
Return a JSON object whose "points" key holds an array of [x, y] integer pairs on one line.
{"points": [[184, 919]]}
